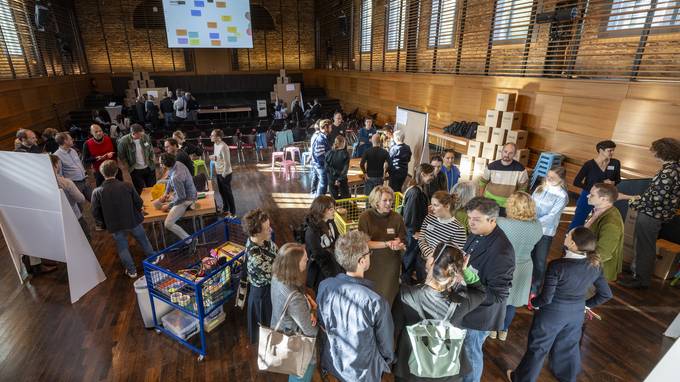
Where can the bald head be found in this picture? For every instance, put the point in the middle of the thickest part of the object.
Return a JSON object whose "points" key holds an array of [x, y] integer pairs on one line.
{"points": [[96, 131]]}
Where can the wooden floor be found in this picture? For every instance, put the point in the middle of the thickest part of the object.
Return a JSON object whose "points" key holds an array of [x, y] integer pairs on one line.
{"points": [[101, 338]]}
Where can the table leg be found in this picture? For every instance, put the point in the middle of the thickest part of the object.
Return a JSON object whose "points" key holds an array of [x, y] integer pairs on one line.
{"points": [[155, 235], [162, 229]]}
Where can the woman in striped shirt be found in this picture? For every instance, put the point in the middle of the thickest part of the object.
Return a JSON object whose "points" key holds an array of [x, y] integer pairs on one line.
{"points": [[440, 225]]}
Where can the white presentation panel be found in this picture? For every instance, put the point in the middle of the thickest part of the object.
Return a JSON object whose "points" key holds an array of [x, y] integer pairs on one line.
{"points": [[208, 23], [414, 124]]}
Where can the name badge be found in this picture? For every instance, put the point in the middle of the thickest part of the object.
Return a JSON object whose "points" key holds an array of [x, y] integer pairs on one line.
{"points": [[610, 168], [390, 231], [146, 143]]}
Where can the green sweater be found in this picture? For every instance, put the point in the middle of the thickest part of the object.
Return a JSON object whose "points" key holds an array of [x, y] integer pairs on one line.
{"points": [[126, 151], [608, 228]]}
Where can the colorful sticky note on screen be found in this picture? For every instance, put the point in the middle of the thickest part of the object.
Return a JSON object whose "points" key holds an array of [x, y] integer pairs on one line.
{"points": [[199, 4], [226, 18], [212, 24], [232, 39], [193, 34], [231, 29], [194, 41], [181, 32], [215, 42], [182, 40], [196, 12], [221, 4], [214, 36]]}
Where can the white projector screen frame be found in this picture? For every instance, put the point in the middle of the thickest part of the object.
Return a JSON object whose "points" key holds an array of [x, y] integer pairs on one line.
{"points": [[414, 124], [208, 23]]}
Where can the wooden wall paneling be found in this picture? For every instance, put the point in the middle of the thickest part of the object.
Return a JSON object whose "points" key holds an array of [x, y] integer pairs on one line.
{"points": [[640, 122], [667, 92], [38, 103], [588, 116]]}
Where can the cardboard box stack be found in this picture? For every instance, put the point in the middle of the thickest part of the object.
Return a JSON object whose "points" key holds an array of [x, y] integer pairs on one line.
{"points": [[501, 125], [140, 80], [285, 90]]}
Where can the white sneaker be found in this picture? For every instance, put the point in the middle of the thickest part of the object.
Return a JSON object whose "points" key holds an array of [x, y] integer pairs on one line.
{"points": [[132, 275], [157, 259]]}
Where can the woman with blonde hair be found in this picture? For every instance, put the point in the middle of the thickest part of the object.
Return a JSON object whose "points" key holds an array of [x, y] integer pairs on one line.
{"points": [[551, 198], [337, 165], [387, 234], [289, 272], [464, 191], [524, 231]]}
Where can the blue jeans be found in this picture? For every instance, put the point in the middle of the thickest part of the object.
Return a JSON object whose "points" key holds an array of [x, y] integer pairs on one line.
{"points": [[308, 374], [322, 187], [509, 315], [582, 211], [167, 118], [124, 251], [372, 183], [538, 256], [474, 341]]}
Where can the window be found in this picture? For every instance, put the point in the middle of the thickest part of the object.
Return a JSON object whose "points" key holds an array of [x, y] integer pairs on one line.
{"points": [[511, 21], [366, 25], [632, 14], [396, 23], [9, 30], [442, 23]]}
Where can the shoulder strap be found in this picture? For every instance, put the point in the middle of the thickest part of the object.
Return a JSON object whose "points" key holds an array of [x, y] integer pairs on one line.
{"points": [[449, 312], [285, 308]]}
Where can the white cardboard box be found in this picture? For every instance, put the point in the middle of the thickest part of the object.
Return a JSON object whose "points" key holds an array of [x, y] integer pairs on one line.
{"points": [[522, 156], [518, 137], [505, 101], [493, 118], [466, 164], [475, 148], [511, 120], [489, 151], [483, 134], [480, 166], [498, 136]]}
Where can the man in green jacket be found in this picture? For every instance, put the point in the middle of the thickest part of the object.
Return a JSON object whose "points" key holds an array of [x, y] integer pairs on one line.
{"points": [[607, 224], [136, 152]]}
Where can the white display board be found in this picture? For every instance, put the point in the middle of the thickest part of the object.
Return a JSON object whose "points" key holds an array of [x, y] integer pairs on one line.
{"points": [[668, 369], [414, 124], [208, 23], [37, 220]]}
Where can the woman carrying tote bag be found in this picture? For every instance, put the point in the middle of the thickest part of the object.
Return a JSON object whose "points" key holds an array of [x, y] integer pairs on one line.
{"points": [[442, 297], [290, 346]]}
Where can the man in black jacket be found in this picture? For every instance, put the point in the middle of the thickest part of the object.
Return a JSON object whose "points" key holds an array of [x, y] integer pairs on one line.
{"points": [[168, 110], [493, 259], [117, 207], [439, 183]]}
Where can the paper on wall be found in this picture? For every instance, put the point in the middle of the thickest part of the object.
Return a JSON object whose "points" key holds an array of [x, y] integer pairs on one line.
{"points": [[290, 87], [402, 116]]}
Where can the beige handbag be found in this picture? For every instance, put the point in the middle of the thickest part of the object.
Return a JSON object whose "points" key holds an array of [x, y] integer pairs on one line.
{"points": [[281, 353]]}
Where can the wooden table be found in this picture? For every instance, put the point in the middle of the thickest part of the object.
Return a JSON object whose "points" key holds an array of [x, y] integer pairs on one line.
{"points": [[437, 137], [227, 110], [153, 216]]}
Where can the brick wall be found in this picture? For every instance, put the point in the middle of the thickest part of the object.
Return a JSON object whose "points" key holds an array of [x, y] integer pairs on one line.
{"points": [[108, 34]]}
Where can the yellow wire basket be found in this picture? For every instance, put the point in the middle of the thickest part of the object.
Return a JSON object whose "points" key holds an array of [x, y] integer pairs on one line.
{"points": [[347, 211]]}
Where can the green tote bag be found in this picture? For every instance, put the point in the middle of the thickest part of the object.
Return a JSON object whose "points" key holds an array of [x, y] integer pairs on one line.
{"points": [[436, 346]]}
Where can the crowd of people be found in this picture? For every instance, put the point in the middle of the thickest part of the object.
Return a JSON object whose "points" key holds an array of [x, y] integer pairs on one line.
{"points": [[116, 205], [458, 253]]}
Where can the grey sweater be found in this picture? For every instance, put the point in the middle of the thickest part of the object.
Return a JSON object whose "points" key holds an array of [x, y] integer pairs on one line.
{"points": [[298, 315]]}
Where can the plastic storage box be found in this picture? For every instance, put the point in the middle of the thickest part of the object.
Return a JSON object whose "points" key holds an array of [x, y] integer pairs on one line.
{"points": [[180, 324]]}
